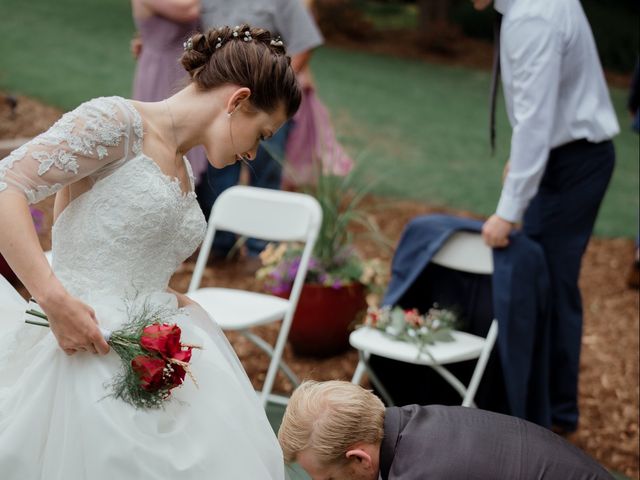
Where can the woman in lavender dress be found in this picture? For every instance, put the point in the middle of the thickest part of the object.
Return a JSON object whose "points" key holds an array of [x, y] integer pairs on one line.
{"points": [[163, 26]]}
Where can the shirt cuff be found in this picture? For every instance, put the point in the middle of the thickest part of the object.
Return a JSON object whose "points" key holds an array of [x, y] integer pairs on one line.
{"points": [[510, 208]]}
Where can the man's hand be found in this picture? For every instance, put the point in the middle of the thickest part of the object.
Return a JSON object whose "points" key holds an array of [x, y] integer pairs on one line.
{"points": [[136, 46], [505, 171], [495, 231]]}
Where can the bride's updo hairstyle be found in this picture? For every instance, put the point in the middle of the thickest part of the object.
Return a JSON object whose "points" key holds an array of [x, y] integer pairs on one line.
{"points": [[247, 57]]}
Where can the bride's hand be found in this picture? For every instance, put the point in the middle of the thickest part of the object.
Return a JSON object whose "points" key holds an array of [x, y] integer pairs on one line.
{"points": [[73, 323]]}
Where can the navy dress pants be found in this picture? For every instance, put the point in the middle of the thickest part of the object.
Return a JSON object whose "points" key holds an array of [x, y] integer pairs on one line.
{"points": [[561, 218]]}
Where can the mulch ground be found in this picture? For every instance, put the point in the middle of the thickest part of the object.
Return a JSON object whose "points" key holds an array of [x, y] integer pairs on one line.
{"points": [[609, 382]]}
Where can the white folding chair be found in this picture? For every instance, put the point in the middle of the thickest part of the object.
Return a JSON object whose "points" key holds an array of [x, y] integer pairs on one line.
{"points": [[268, 215], [464, 251]]}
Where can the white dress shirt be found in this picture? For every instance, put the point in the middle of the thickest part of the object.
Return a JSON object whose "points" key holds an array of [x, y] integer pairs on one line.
{"points": [[554, 89]]}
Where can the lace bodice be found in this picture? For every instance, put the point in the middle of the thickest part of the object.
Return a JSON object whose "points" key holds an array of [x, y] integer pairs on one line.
{"points": [[133, 227]]}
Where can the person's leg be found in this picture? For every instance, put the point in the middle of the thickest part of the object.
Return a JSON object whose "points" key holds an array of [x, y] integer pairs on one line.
{"points": [[266, 172], [561, 218], [214, 182]]}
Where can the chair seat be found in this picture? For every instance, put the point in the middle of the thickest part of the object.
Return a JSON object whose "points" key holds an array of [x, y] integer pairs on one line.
{"points": [[239, 309], [464, 347]]}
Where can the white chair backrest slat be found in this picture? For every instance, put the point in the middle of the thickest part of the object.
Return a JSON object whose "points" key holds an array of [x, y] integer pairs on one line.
{"points": [[467, 252], [266, 214]]}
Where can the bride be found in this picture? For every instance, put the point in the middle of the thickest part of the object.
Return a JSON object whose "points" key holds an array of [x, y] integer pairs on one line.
{"points": [[125, 218]]}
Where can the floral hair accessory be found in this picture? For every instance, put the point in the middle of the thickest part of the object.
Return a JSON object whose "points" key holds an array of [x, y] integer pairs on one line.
{"points": [[236, 29], [277, 42], [188, 45], [219, 44], [247, 36]]}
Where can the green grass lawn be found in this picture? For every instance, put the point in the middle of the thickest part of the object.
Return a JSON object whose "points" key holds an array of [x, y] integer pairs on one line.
{"points": [[420, 129]]}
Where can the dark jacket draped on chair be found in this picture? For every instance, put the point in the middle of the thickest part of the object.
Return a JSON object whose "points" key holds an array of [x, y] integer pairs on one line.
{"points": [[520, 291]]}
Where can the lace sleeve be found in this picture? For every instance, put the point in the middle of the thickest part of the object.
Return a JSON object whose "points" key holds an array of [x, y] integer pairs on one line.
{"points": [[92, 140]]}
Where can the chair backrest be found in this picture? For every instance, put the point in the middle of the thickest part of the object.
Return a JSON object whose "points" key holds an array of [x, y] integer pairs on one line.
{"points": [[467, 252], [266, 214]]}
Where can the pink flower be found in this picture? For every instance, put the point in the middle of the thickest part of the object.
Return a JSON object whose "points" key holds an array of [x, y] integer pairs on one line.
{"points": [[413, 318]]}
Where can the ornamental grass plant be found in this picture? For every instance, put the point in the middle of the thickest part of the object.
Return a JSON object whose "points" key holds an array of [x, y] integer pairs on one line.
{"points": [[335, 261]]}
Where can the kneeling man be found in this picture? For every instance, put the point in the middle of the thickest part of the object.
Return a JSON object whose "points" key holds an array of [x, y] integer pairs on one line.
{"points": [[339, 431]]}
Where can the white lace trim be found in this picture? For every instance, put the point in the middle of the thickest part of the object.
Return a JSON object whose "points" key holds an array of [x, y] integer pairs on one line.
{"points": [[60, 158], [87, 134], [137, 126], [41, 192]]}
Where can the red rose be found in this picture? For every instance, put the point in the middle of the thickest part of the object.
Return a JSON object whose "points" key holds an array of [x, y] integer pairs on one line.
{"points": [[161, 338], [150, 372], [178, 373], [177, 376]]}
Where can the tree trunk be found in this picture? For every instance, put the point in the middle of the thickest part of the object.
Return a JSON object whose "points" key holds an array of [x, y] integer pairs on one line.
{"points": [[433, 14], [435, 31]]}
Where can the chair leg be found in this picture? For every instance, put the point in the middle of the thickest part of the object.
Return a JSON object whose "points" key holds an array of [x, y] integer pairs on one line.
{"points": [[273, 367], [373, 377], [481, 365], [264, 346], [451, 379], [357, 375]]}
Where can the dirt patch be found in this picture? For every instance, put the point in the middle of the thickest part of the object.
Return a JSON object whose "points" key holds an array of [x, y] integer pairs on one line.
{"points": [[609, 382]]}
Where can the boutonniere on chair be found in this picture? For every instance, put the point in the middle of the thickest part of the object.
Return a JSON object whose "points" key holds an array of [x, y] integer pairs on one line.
{"points": [[412, 327]]}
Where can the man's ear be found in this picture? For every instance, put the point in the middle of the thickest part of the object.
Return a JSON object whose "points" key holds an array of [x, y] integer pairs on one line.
{"points": [[359, 455], [236, 99]]}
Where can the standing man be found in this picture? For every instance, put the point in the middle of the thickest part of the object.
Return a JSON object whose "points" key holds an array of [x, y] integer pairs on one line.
{"points": [[293, 22], [560, 162]]}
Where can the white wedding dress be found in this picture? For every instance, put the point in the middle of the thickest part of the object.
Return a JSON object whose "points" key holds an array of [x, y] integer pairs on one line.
{"points": [[125, 231]]}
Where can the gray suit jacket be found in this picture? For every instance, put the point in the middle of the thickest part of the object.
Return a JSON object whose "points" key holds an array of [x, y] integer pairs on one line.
{"points": [[456, 443]]}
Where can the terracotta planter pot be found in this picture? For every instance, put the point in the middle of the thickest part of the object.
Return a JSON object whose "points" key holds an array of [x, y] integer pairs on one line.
{"points": [[5, 270], [324, 318]]}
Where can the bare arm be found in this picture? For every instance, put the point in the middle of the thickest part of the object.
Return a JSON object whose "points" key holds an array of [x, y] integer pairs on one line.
{"points": [[300, 64], [300, 60], [176, 10], [72, 322], [96, 135], [183, 300]]}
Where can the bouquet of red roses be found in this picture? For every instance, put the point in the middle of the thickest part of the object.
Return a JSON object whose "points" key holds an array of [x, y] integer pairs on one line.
{"points": [[154, 360]]}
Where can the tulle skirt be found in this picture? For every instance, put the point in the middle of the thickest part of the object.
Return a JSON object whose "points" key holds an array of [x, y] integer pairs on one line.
{"points": [[57, 420]]}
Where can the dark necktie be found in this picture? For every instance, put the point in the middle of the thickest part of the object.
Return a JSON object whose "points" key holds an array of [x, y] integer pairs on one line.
{"points": [[495, 79]]}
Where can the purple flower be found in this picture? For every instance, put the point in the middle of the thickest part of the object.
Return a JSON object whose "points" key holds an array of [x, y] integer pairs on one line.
{"points": [[276, 275], [280, 288], [293, 268], [38, 218], [336, 284]]}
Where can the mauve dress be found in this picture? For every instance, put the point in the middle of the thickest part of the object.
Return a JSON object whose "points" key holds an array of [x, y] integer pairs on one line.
{"points": [[159, 73]]}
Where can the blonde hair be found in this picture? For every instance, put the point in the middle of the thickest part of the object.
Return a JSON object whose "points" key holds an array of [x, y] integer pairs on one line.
{"points": [[328, 418]]}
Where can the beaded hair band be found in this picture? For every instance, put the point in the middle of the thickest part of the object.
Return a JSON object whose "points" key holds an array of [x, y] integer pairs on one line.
{"points": [[277, 42]]}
